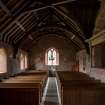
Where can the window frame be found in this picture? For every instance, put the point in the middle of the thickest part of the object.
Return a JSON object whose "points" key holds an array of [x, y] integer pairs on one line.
{"points": [[23, 59], [57, 57], [4, 53]]}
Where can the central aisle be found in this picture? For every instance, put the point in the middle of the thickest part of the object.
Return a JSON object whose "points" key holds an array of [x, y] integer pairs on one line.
{"points": [[51, 96]]}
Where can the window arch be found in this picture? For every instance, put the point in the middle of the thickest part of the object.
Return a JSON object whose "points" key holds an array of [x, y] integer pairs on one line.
{"points": [[52, 57], [3, 61], [23, 60]]}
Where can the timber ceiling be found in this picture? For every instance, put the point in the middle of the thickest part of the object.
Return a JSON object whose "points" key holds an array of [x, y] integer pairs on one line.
{"points": [[23, 22]]}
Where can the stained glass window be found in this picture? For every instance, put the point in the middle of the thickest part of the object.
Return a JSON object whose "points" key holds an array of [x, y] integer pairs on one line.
{"points": [[52, 57]]}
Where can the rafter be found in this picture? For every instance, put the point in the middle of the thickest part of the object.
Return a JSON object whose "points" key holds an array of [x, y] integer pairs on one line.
{"points": [[27, 33], [71, 24], [14, 29], [36, 9], [22, 28], [62, 2], [67, 18], [23, 13], [68, 21], [48, 6], [15, 20], [3, 6]]}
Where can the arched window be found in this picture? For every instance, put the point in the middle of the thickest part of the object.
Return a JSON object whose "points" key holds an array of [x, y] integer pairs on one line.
{"points": [[3, 61], [23, 60], [52, 57]]}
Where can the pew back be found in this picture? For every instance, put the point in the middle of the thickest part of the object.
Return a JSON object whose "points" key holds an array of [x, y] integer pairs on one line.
{"points": [[79, 89], [22, 89]]}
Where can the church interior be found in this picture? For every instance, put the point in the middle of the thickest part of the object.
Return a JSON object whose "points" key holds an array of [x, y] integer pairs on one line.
{"points": [[52, 52]]}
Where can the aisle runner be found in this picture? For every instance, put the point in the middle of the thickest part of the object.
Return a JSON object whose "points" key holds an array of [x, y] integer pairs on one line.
{"points": [[51, 96]]}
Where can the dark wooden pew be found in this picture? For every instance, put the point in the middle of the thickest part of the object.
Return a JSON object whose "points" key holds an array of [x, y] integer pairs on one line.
{"points": [[73, 75], [34, 72], [32, 78], [80, 89], [19, 94], [22, 90]]}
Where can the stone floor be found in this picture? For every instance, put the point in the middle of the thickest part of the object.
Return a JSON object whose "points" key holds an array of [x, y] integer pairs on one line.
{"points": [[51, 96]]}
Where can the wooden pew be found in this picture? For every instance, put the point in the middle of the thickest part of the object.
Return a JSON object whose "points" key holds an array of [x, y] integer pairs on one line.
{"points": [[34, 72], [73, 75], [22, 90], [32, 78], [80, 89], [19, 94]]}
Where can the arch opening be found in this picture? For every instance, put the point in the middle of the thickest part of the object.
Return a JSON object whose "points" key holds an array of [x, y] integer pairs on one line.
{"points": [[3, 61], [52, 57]]}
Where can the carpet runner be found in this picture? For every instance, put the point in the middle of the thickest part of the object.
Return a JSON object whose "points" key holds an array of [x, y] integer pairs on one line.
{"points": [[51, 96]]}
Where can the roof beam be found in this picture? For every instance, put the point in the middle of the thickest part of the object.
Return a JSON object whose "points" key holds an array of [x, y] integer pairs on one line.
{"points": [[21, 26], [15, 20], [27, 33], [23, 13], [30, 11], [36, 9], [62, 2], [3, 6], [45, 7], [12, 31], [71, 24]]}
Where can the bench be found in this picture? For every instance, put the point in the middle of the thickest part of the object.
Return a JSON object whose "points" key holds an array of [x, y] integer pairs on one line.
{"points": [[23, 89], [79, 89]]}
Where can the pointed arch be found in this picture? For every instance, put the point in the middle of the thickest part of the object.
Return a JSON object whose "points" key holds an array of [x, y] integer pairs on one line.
{"points": [[52, 57], [3, 60], [23, 59]]}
